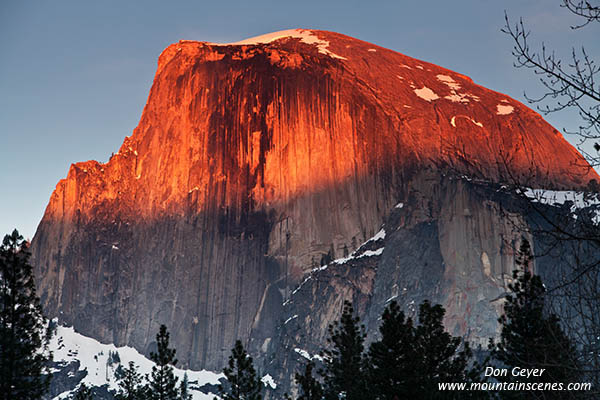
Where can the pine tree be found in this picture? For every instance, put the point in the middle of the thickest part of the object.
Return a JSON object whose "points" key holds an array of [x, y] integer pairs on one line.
{"points": [[391, 359], [242, 382], [310, 388], [409, 361], [184, 390], [444, 358], [343, 374], [130, 384], [24, 338], [531, 337], [162, 383], [83, 393]]}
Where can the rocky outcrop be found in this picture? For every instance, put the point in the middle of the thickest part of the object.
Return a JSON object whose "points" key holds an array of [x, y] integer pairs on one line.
{"points": [[253, 161]]}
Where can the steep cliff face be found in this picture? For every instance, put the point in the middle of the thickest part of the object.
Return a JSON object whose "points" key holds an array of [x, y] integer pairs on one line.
{"points": [[459, 253], [252, 161]]}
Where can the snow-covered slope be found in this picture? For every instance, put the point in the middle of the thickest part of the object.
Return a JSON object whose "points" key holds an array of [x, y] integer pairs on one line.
{"points": [[559, 197], [576, 200], [101, 361]]}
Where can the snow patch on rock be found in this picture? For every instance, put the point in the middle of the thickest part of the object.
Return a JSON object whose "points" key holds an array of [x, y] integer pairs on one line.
{"points": [[305, 35], [339, 261], [353, 256], [368, 253], [426, 94], [503, 109], [268, 380], [560, 197], [576, 200], [453, 120], [479, 124], [456, 97], [306, 355], [309, 277], [379, 235], [448, 81], [391, 298], [454, 86]]}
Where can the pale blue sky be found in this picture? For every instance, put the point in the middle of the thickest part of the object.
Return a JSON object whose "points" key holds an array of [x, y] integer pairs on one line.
{"points": [[75, 75]]}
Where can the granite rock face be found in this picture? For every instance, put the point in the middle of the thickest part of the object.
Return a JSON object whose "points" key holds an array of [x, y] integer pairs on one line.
{"points": [[460, 253], [254, 161]]}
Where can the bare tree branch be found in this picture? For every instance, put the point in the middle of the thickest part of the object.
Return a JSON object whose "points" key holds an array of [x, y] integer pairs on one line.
{"points": [[571, 86], [584, 9]]}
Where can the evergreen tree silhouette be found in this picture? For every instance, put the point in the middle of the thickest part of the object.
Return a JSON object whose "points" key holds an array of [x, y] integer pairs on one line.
{"points": [[242, 382], [162, 384], [130, 384], [24, 331], [410, 360], [533, 338], [184, 390], [343, 373], [309, 387]]}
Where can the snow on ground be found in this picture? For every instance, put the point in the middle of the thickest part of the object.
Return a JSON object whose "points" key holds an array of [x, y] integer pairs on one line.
{"points": [[426, 94], [504, 109], [305, 35], [95, 357]]}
